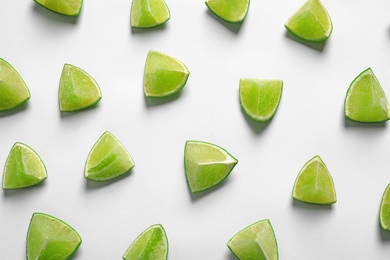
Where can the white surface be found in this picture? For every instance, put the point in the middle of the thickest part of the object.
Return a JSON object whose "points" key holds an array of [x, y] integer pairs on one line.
{"points": [[309, 121]]}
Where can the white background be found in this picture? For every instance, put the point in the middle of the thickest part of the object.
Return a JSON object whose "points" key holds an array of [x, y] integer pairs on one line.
{"points": [[309, 121]]}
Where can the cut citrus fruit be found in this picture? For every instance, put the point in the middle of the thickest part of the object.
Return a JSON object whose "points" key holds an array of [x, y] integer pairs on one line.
{"points": [[260, 98], [50, 238], [107, 159], [152, 244], [65, 7], [311, 22], [148, 13], [384, 211], [13, 90], [77, 90], [233, 11], [365, 100], [206, 165], [314, 183], [164, 75], [23, 168], [256, 241]]}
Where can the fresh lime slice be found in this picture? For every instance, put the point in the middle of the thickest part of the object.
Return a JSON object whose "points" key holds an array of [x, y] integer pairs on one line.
{"points": [[255, 242], [13, 90], [77, 90], [233, 11], [384, 211], [311, 22], [65, 7], [206, 165], [149, 13], [365, 100], [107, 159], [23, 168], [260, 98], [314, 183], [164, 75], [152, 244], [50, 238]]}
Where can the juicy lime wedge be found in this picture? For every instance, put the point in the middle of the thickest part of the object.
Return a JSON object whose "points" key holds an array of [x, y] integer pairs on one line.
{"points": [[206, 165], [107, 159], [384, 211], [311, 22], [256, 241], [152, 244], [148, 13], [314, 183], [164, 75], [77, 90], [233, 11], [23, 168], [50, 238], [260, 98], [65, 7], [365, 100], [13, 90]]}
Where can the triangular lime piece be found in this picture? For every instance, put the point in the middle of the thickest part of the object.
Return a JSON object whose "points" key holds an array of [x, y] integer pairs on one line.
{"points": [[23, 168], [13, 90], [260, 98], [107, 159], [50, 238], [65, 7], [233, 11], [152, 244], [365, 100], [255, 242], [164, 75], [314, 183], [206, 165], [311, 22], [384, 211], [148, 13], [78, 90]]}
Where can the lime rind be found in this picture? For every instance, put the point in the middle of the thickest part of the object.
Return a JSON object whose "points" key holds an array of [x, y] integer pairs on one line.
{"points": [[146, 14], [384, 210], [57, 6], [218, 7]]}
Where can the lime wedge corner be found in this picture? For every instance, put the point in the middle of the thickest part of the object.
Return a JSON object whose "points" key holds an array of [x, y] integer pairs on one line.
{"points": [[384, 210], [233, 11], [148, 13], [64, 7]]}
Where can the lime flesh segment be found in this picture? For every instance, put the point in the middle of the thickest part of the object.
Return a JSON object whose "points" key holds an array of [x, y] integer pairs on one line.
{"points": [[152, 244], [311, 22], [107, 160], [255, 242], [164, 75], [365, 100], [384, 211], [314, 183], [13, 90], [149, 13], [23, 168], [206, 165], [77, 90], [65, 7], [233, 11]]}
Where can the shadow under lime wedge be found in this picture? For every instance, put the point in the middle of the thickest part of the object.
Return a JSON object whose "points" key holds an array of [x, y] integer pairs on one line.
{"points": [[164, 75], [152, 244], [314, 183], [77, 90], [148, 13], [65, 7], [233, 11], [50, 238], [259, 98], [384, 211], [311, 22], [206, 165], [365, 100], [13, 90], [23, 168], [107, 160]]}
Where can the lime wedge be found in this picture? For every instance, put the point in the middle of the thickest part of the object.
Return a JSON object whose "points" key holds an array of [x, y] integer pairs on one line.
{"points": [[152, 244], [259, 98], [206, 165], [23, 168], [164, 75], [384, 211], [365, 100], [311, 22], [65, 7], [314, 183], [13, 90], [148, 13], [107, 159], [233, 11], [256, 241]]}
